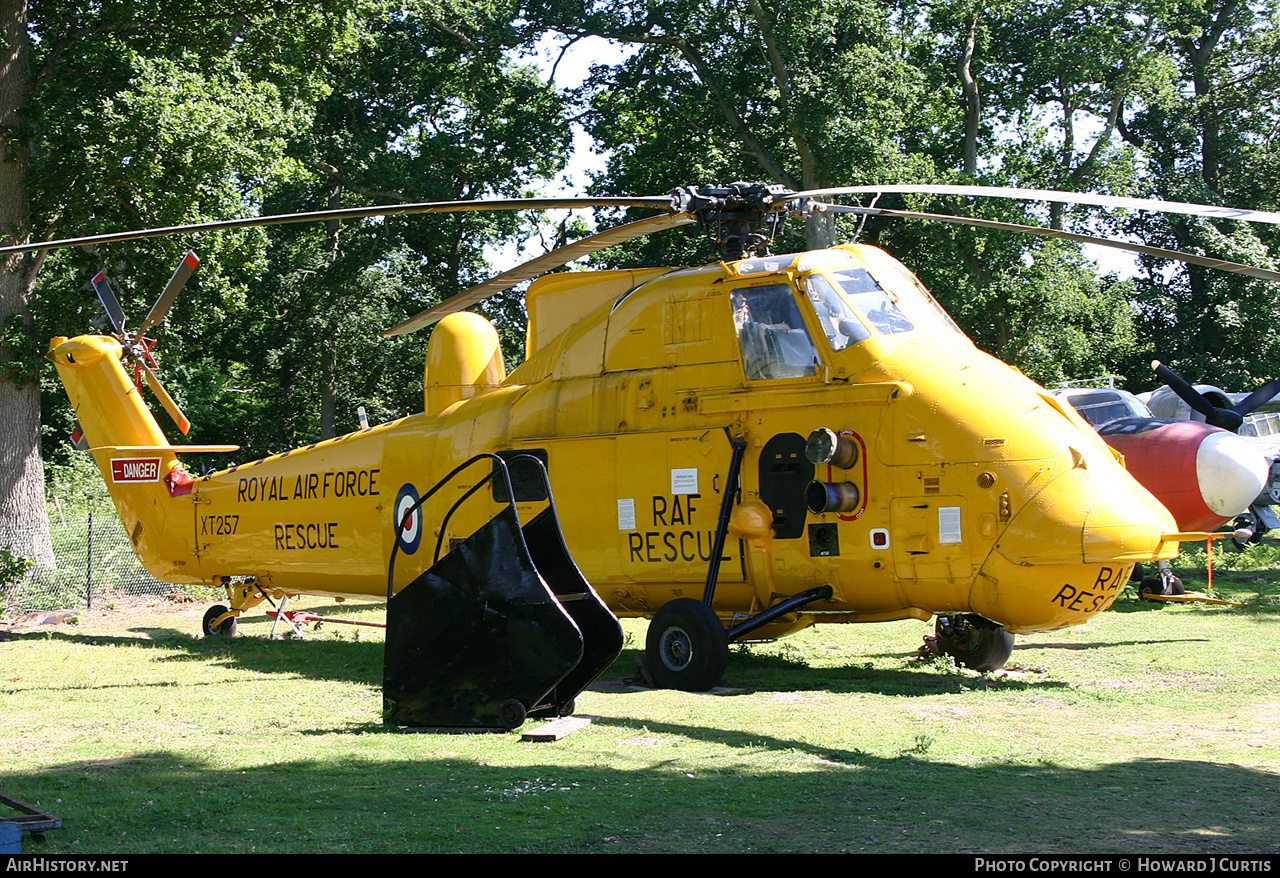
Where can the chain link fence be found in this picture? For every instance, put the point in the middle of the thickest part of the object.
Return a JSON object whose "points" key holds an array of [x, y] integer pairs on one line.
{"points": [[94, 561]]}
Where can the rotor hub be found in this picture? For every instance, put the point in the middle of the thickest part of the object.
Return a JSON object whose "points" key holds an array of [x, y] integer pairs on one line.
{"points": [[741, 218]]}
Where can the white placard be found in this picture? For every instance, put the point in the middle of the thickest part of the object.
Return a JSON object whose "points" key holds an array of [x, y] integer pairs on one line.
{"points": [[949, 524], [627, 514], [684, 481]]}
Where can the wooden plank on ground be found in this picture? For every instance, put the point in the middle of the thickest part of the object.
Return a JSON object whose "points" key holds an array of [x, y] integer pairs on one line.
{"points": [[558, 728]]}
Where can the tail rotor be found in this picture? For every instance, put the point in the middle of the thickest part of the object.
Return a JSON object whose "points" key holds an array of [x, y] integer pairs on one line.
{"points": [[138, 348]]}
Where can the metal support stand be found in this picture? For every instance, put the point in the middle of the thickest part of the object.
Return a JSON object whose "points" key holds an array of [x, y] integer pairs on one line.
{"points": [[280, 614], [739, 444]]}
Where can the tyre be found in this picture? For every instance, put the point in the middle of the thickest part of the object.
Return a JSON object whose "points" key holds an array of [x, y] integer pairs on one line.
{"points": [[511, 714], [1250, 524], [686, 647], [226, 629], [974, 642], [1152, 585]]}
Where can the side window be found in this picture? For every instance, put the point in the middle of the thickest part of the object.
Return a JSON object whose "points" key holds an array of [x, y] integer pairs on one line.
{"points": [[771, 333]]}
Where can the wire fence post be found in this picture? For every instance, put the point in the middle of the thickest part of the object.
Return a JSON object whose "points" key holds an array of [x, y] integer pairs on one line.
{"points": [[88, 566], [79, 543]]}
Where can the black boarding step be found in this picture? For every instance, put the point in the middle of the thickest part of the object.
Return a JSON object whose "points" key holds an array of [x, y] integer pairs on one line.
{"points": [[501, 627]]}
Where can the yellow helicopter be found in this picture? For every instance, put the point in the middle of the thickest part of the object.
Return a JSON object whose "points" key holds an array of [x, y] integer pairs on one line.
{"points": [[738, 450]]}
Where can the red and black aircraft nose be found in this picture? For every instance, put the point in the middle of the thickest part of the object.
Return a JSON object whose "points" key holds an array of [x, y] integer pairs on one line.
{"points": [[1203, 475]]}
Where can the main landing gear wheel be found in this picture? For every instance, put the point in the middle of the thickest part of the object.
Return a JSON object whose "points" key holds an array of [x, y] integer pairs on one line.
{"points": [[686, 647], [977, 643], [226, 629]]}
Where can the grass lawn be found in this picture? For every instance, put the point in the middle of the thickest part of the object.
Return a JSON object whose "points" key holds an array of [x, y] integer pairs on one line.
{"points": [[1152, 729]]}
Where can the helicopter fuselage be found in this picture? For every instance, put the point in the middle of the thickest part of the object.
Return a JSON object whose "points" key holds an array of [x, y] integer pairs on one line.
{"points": [[962, 486]]}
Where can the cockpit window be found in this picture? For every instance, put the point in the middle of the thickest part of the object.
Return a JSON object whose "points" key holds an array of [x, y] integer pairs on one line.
{"points": [[836, 318], [872, 301], [775, 343], [1102, 406]]}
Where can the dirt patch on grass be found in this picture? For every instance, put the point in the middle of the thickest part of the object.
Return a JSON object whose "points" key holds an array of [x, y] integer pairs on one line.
{"points": [[1268, 712], [123, 614], [1157, 680]]}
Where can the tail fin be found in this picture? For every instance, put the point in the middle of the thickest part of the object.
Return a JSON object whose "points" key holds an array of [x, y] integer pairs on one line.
{"points": [[140, 467]]}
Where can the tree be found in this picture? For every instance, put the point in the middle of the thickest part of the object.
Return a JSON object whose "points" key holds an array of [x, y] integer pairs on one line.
{"points": [[1209, 136], [805, 96], [120, 114], [420, 110], [23, 525]]}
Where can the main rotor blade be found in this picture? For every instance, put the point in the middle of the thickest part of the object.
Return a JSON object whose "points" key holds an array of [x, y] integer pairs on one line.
{"points": [[534, 267], [180, 277], [166, 400], [109, 302], [1113, 201], [656, 201], [1158, 252]]}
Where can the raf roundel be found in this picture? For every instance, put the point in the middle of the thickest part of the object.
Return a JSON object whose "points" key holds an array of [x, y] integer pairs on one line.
{"points": [[408, 532]]}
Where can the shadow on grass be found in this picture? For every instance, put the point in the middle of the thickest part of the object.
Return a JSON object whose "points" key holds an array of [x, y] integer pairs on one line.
{"points": [[819, 799], [360, 663], [336, 660]]}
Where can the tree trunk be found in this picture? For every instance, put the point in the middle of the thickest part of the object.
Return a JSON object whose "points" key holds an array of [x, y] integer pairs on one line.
{"points": [[972, 98], [328, 392], [24, 522], [820, 231]]}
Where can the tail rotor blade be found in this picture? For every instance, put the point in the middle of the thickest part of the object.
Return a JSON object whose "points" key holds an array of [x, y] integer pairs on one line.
{"points": [[166, 400], [109, 302], [171, 290]]}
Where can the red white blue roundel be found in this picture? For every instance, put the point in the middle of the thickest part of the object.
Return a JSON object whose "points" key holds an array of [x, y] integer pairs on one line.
{"points": [[408, 532]]}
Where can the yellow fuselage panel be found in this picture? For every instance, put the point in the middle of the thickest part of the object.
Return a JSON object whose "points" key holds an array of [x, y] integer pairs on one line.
{"points": [[318, 515]]}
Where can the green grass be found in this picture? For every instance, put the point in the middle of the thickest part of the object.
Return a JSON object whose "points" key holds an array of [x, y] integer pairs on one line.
{"points": [[1152, 729]]}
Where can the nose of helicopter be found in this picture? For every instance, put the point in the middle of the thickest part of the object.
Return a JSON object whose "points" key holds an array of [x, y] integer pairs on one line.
{"points": [[1067, 553]]}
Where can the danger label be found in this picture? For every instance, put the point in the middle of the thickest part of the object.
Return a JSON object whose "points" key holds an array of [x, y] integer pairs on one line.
{"points": [[135, 469]]}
